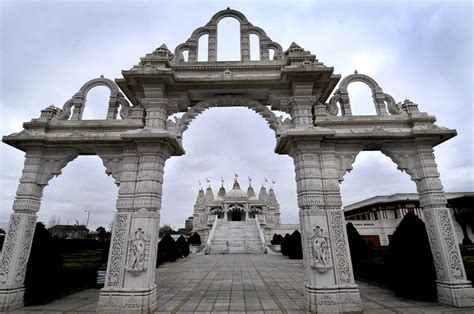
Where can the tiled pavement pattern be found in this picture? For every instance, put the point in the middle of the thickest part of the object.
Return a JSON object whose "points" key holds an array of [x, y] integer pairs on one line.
{"points": [[240, 283]]}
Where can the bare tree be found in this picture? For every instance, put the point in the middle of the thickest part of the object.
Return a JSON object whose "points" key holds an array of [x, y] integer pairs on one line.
{"points": [[53, 221]]}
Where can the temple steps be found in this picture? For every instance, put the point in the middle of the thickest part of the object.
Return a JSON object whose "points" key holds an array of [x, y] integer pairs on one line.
{"points": [[236, 237]]}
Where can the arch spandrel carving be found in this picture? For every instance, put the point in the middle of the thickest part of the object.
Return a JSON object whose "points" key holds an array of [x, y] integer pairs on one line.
{"points": [[277, 124]]}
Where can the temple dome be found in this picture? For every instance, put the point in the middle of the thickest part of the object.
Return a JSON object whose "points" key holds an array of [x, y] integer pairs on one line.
{"points": [[236, 192]]}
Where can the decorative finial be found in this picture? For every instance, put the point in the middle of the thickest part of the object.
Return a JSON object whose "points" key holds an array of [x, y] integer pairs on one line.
{"points": [[102, 76], [235, 176], [355, 72], [228, 8], [250, 181], [200, 185], [208, 182], [222, 182]]}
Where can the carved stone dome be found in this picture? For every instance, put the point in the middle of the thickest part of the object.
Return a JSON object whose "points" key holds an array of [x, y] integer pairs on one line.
{"points": [[236, 192]]}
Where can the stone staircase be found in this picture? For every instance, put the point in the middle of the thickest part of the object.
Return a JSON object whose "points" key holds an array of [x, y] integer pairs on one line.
{"points": [[236, 237]]}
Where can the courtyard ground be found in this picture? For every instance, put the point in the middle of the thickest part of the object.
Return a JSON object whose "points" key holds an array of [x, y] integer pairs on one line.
{"points": [[240, 283]]}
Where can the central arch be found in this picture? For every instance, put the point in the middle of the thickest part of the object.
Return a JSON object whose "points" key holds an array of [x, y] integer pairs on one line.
{"points": [[275, 123]]}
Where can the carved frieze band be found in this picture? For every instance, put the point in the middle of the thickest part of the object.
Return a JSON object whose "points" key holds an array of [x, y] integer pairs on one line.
{"points": [[29, 229], [453, 254], [119, 244], [11, 240], [340, 248]]}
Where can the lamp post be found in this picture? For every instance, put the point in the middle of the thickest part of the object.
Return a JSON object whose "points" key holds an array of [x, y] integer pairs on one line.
{"points": [[88, 215]]}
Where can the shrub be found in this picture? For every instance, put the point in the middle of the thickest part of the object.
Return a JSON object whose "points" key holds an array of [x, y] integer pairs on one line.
{"points": [[167, 250], [286, 244], [295, 250], [277, 239], [43, 272], [195, 239], [409, 260], [360, 250], [183, 247]]}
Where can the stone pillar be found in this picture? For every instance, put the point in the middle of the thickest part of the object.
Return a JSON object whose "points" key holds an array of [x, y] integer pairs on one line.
{"points": [[40, 166], [302, 103], [130, 280], [418, 160], [212, 44], [244, 43], [452, 285], [329, 282]]}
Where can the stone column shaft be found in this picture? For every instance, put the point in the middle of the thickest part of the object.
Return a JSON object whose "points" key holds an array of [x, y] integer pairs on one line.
{"points": [[40, 166], [329, 281], [130, 281], [452, 285]]}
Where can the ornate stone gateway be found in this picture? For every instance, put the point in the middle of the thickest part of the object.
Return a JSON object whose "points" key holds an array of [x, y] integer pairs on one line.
{"points": [[322, 137]]}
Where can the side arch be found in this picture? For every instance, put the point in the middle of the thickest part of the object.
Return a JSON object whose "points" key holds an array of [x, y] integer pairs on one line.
{"points": [[77, 103], [384, 103]]}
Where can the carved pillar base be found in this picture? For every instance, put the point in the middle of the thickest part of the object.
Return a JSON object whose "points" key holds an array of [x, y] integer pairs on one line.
{"points": [[457, 295], [123, 300], [11, 298], [333, 299]]}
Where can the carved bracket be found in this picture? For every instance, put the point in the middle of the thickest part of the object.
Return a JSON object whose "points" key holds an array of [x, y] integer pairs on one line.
{"points": [[112, 160], [345, 158], [404, 156]]}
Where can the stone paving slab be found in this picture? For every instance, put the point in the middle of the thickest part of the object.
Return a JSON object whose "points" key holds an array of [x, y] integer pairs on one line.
{"points": [[239, 284]]}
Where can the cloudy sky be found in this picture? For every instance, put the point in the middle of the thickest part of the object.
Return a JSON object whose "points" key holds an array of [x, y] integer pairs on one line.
{"points": [[419, 50]]}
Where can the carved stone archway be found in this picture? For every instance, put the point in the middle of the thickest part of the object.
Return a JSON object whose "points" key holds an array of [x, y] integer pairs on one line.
{"points": [[322, 144]]}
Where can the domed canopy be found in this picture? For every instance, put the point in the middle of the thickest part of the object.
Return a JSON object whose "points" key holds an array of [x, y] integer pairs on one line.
{"points": [[236, 192]]}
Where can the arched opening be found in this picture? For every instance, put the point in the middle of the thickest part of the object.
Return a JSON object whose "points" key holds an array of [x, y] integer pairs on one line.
{"points": [[271, 53], [254, 47], [186, 55], [203, 47], [97, 103], [219, 142], [228, 40], [77, 211], [362, 102], [376, 196]]}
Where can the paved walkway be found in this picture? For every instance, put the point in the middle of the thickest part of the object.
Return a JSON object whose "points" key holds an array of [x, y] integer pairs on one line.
{"points": [[240, 283]]}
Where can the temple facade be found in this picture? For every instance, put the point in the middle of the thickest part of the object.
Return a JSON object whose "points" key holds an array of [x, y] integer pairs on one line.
{"points": [[236, 205]]}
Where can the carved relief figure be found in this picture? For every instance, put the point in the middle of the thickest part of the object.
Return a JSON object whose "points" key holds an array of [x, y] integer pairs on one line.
{"points": [[319, 247], [138, 251]]}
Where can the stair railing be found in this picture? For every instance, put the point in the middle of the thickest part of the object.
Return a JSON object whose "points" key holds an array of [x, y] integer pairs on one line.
{"points": [[211, 235], [262, 237]]}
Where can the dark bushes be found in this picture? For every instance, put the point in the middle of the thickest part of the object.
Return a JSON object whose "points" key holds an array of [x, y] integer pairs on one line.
{"points": [[286, 244], [295, 251], [44, 268], [167, 250], [360, 250], [409, 261], [195, 239], [183, 247], [277, 239]]}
